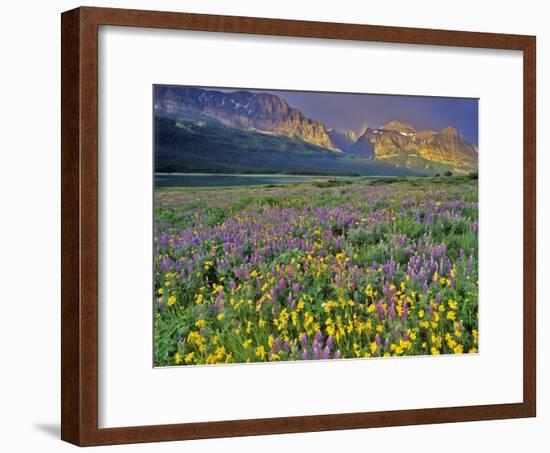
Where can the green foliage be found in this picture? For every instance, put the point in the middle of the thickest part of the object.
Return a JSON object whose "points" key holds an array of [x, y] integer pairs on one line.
{"points": [[209, 147]]}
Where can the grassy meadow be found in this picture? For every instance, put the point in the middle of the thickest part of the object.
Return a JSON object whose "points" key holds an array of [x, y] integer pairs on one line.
{"points": [[319, 269]]}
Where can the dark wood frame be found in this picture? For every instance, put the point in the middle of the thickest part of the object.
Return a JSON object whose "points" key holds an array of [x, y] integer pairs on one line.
{"points": [[79, 282]]}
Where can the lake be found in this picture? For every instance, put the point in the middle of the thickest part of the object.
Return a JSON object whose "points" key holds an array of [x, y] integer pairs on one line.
{"points": [[220, 180]]}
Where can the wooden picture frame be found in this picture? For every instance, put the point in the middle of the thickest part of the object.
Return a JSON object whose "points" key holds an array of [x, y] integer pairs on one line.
{"points": [[79, 301]]}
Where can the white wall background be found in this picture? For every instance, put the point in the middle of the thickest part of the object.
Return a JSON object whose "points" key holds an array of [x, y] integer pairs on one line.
{"points": [[30, 229]]}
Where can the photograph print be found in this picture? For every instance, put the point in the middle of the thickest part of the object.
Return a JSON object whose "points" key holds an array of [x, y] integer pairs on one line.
{"points": [[299, 225]]}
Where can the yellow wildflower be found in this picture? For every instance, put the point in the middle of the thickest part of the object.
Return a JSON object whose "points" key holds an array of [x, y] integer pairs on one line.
{"points": [[260, 352], [220, 352], [171, 300]]}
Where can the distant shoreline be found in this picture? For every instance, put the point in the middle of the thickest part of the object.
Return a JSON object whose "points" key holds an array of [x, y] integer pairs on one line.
{"points": [[282, 175], [218, 180]]}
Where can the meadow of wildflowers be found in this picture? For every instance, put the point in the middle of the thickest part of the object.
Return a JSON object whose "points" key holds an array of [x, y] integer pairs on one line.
{"points": [[313, 271]]}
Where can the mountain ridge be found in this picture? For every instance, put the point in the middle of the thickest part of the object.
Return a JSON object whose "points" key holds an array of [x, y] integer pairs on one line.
{"points": [[270, 114], [262, 111]]}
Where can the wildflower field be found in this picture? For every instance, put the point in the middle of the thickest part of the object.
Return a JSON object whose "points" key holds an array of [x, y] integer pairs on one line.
{"points": [[321, 270]]}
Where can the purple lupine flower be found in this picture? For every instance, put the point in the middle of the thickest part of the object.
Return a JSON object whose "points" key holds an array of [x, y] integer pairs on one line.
{"points": [[391, 311], [319, 336], [304, 340], [166, 263], [315, 353], [380, 310], [405, 311], [276, 346], [304, 354], [337, 354], [290, 301], [330, 342], [326, 353], [469, 265], [164, 240], [286, 346]]}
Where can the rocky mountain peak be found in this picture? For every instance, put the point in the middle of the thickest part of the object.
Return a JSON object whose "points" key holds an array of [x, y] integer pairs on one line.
{"points": [[362, 130], [243, 109], [343, 140], [450, 131], [398, 126], [350, 135], [268, 105]]}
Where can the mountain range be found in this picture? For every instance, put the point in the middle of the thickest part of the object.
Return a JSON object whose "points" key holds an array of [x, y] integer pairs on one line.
{"points": [[244, 131]]}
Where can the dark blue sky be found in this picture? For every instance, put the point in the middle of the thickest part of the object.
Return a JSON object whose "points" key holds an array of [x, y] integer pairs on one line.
{"points": [[351, 111]]}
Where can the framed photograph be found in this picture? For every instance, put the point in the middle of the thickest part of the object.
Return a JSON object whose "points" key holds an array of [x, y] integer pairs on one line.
{"points": [[275, 226]]}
